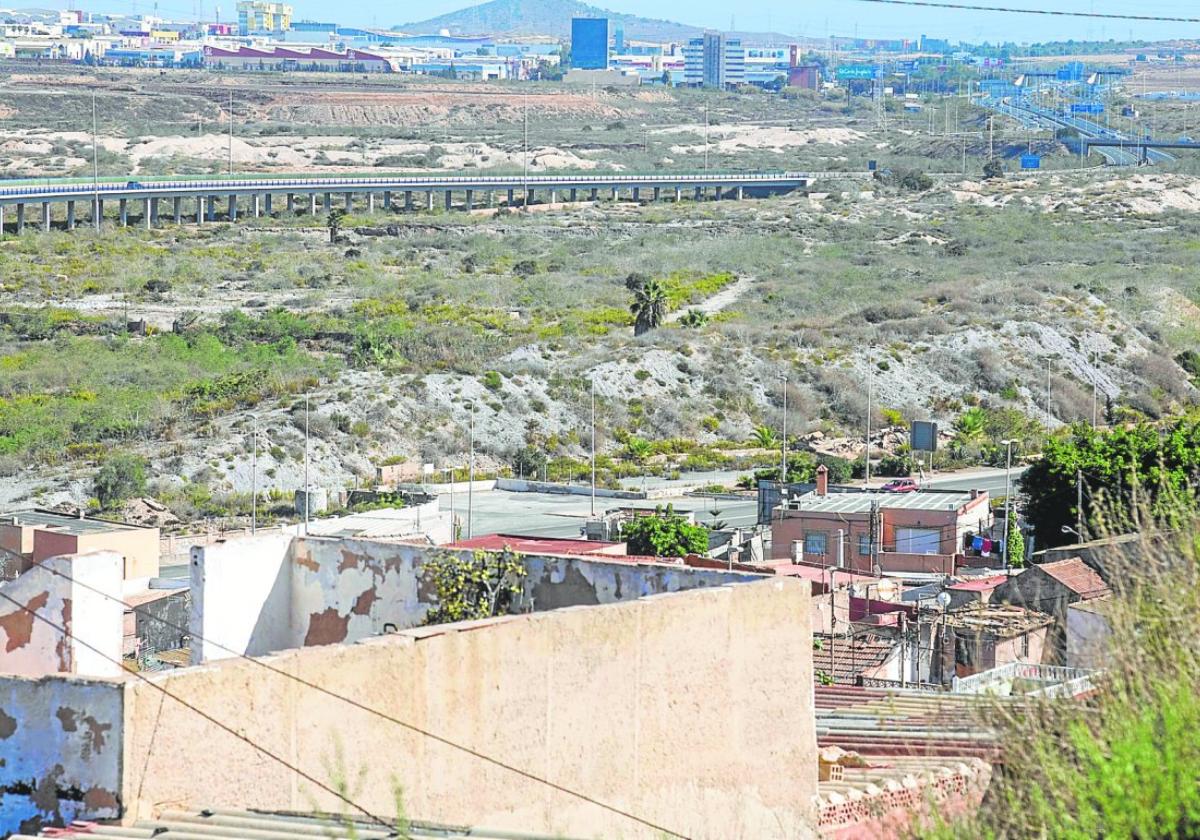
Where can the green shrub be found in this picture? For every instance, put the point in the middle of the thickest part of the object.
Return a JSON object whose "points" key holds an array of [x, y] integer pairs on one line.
{"points": [[120, 477]]}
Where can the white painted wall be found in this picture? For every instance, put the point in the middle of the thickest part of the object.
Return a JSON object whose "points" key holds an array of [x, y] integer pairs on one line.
{"points": [[241, 594], [97, 614]]}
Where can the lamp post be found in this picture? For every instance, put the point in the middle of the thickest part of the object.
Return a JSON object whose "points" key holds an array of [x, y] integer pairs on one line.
{"points": [[307, 487], [471, 470], [593, 454], [1008, 444], [95, 168], [254, 481], [783, 442]]}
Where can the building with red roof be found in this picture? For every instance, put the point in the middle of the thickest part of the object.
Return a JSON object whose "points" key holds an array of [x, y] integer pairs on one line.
{"points": [[284, 58], [1051, 588]]}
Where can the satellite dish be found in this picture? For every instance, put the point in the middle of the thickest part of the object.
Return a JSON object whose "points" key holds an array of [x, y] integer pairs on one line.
{"points": [[943, 599]]}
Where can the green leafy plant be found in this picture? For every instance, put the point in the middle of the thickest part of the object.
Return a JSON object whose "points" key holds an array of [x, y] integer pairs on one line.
{"points": [[481, 585], [119, 478], [764, 437], [649, 307], [665, 534]]}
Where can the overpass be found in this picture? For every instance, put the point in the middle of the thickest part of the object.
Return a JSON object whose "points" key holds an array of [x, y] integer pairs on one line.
{"points": [[200, 200]]}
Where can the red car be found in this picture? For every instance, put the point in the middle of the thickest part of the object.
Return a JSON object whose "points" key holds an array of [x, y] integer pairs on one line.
{"points": [[901, 485]]}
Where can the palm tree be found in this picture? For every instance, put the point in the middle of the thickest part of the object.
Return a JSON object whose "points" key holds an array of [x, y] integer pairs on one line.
{"points": [[764, 437], [969, 427], [637, 449], [649, 306]]}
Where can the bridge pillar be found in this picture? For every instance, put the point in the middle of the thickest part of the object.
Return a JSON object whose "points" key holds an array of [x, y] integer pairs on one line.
{"points": [[448, 199], [177, 209], [699, 194], [312, 204], [657, 193], [1, 221], [511, 197], [123, 212], [637, 194], [574, 194], [200, 209], [387, 200], [429, 200], [212, 207], [491, 198], [147, 211], [595, 193], [328, 202], [678, 194], [20, 219], [554, 196], [98, 210], [45, 217], [616, 194], [70, 215], [529, 196], [408, 204], [291, 203], [154, 211], [370, 202], [267, 204], [470, 200], [349, 198], [256, 205], [233, 208], [741, 193]]}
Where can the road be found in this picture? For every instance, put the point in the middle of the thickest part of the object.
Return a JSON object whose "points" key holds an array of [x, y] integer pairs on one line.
{"points": [[1033, 116]]}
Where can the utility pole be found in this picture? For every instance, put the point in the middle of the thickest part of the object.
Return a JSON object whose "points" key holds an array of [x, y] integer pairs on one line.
{"points": [[783, 443], [471, 471], [1007, 494], [525, 153], [870, 398], [307, 487], [1049, 416], [593, 445], [1079, 504], [95, 167], [231, 132], [705, 138], [254, 482]]}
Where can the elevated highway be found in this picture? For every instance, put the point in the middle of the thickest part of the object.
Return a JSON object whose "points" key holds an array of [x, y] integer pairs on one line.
{"points": [[203, 200]]}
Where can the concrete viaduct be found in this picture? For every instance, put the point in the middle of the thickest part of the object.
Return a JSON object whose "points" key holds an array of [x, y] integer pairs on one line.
{"points": [[200, 201]]}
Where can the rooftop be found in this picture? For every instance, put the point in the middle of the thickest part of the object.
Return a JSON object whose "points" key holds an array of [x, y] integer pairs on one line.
{"points": [[1077, 576], [1002, 619], [843, 659], [862, 501], [221, 824], [984, 584], [62, 522]]}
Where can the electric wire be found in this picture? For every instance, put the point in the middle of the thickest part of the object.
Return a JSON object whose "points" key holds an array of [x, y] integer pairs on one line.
{"points": [[971, 7], [203, 714], [140, 610]]}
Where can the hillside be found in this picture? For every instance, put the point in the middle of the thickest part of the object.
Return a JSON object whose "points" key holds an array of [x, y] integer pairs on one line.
{"points": [[511, 18]]}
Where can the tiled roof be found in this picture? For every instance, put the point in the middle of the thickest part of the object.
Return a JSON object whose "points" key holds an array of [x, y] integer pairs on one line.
{"points": [[219, 824], [844, 659], [1077, 576]]}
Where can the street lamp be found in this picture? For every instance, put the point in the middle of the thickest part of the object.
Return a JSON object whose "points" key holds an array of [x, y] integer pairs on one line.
{"points": [[593, 445], [1008, 445], [1067, 529], [471, 470], [254, 480], [783, 443]]}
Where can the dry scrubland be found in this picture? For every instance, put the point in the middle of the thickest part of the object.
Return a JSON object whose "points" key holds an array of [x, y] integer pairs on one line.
{"points": [[957, 296]]}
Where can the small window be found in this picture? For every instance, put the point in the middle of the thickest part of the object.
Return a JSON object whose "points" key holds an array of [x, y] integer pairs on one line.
{"points": [[814, 542], [864, 544]]}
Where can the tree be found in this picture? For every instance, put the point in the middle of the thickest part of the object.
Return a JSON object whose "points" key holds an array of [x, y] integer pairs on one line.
{"points": [[1132, 477], [334, 222], [649, 307], [529, 461], [469, 588], [764, 437], [635, 280], [119, 478], [638, 449], [1016, 540], [665, 534], [993, 169]]}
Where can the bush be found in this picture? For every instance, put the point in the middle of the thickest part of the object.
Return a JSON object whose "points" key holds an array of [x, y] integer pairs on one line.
{"points": [[666, 534], [993, 169], [492, 380], [121, 477]]}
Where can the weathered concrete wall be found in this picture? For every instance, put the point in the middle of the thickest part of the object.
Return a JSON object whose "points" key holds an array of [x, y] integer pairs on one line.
{"points": [[692, 710], [241, 597], [60, 751], [66, 592]]}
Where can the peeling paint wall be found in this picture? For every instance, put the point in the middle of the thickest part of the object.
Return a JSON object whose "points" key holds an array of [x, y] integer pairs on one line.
{"points": [[60, 751], [66, 592], [693, 710]]}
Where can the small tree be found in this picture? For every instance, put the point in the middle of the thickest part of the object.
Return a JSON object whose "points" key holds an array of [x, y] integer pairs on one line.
{"points": [[764, 437], [334, 222], [665, 534], [480, 586], [119, 478], [529, 461], [993, 169], [1016, 541], [694, 319]]}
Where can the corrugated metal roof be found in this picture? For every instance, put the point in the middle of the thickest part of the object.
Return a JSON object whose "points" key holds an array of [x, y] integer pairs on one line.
{"points": [[222, 824], [63, 522], [861, 502]]}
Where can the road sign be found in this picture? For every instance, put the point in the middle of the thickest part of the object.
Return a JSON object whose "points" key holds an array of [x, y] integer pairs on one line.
{"points": [[924, 436], [1087, 108], [1031, 162], [857, 71]]}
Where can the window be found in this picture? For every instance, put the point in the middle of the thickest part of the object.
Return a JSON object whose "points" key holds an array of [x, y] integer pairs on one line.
{"points": [[814, 542], [864, 544]]}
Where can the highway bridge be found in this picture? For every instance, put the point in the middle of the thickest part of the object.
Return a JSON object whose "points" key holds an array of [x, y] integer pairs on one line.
{"points": [[1117, 149], [62, 202]]}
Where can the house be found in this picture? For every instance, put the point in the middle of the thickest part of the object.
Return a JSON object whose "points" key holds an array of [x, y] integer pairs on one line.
{"points": [[973, 591], [1089, 629], [856, 659], [37, 535], [972, 640], [1050, 588], [917, 532]]}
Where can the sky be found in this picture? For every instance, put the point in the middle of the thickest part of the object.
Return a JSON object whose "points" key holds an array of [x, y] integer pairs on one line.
{"points": [[808, 18]]}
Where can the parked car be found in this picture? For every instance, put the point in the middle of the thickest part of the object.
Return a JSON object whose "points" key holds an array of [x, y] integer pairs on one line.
{"points": [[901, 485]]}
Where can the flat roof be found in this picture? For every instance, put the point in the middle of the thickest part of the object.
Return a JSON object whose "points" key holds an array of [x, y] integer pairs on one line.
{"points": [[64, 523], [861, 501], [536, 545]]}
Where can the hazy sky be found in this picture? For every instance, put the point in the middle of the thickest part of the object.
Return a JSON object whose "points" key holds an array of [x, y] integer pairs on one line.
{"points": [[793, 17]]}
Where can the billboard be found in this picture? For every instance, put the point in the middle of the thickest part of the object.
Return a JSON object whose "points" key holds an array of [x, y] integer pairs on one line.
{"points": [[924, 436], [1087, 108], [857, 71], [1031, 162]]}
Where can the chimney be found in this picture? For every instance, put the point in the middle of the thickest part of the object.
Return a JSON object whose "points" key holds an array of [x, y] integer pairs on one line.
{"points": [[797, 551], [822, 480]]}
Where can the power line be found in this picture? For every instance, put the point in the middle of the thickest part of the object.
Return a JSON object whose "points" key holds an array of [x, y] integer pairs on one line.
{"points": [[205, 715], [1046, 12], [362, 707]]}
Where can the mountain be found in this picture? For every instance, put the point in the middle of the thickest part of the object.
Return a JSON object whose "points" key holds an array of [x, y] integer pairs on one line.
{"points": [[519, 18]]}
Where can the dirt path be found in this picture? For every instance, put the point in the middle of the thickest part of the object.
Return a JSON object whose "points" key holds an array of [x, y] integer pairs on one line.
{"points": [[717, 302]]}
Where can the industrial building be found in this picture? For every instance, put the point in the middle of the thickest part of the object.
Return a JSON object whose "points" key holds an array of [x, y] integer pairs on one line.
{"points": [[261, 16]]}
